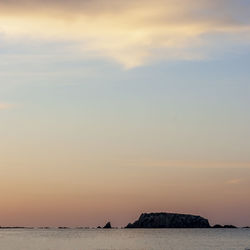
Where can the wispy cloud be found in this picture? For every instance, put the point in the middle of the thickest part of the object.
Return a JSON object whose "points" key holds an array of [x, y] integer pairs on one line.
{"points": [[131, 32], [234, 181], [189, 164], [4, 106]]}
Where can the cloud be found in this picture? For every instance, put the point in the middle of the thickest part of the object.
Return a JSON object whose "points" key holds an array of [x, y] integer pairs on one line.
{"points": [[4, 106], [131, 32], [189, 164], [234, 181]]}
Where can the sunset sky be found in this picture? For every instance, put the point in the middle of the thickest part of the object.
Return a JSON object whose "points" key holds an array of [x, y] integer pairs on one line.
{"points": [[110, 108]]}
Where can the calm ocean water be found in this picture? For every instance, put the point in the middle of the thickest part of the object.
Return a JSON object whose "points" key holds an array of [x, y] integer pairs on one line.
{"points": [[129, 239]]}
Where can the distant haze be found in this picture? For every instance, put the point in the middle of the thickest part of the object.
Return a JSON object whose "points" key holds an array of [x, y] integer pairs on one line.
{"points": [[113, 108]]}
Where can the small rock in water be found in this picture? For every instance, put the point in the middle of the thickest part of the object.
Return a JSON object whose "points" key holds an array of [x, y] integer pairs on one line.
{"points": [[230, 226], [217, 226], [108, 225]]}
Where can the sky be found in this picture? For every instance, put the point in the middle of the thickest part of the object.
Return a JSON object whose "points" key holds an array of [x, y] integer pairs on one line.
{"points": [[113, 108]]}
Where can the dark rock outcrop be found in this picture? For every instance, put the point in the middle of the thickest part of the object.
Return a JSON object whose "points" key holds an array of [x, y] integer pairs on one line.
{"points": [[169, 220], [230, 226], [217, 226], [225, 226], [108, 225]]}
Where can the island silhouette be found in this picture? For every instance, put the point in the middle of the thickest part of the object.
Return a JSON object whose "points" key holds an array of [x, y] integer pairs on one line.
{"points": [[153, 220]]}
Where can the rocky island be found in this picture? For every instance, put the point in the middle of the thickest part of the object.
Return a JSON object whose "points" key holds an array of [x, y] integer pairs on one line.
{"points": [[169, 220]]}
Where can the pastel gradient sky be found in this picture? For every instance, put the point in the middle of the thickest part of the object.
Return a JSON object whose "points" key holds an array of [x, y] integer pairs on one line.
{"points": [[113, 108]]}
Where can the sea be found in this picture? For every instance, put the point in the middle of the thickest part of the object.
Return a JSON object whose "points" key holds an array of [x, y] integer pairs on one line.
{"points": [[125, 239]]}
